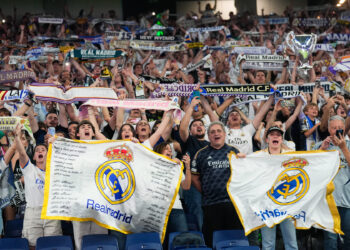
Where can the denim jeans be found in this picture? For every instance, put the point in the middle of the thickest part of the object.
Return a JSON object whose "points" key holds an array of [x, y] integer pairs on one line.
{"points": [[177, 221], [331, 239], [193, 204], [288, 232]]}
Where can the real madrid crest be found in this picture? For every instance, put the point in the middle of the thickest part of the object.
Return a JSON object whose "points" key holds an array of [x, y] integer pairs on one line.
{"points": [[115, 178], [291, 184]]}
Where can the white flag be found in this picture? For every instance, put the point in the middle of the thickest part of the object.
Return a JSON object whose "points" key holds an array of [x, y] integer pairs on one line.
{"points": [[266, 189], [120, 185]]}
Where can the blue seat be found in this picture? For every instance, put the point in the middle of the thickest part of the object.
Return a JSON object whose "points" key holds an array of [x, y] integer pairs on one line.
{"points": [[196, 248], [141, 238], [54, 243], [99, 241], [227, 236], [14, 244], [13, 228], [146, 246], [231, 244], [245, 248], [174, 234]]}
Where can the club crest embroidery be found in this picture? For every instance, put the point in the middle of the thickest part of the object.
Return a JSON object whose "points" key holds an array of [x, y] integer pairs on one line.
{"points": [[115, 178], [291, 184]]}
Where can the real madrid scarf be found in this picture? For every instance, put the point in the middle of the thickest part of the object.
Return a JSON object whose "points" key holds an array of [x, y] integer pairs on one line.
{"points": [[154, 79], [314, 22], [16, 75], [263, 58], [50, 20], [94, 55], [275, 66], [210, 89], [169, 48], [119, 35], [206, 29], [157, 38], [338, 37], [274, 20], [180, 89], [191, 67], [13, 95], [252, 50]]}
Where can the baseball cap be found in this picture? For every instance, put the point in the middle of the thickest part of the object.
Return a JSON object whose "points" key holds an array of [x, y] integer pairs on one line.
{"points": [[274, 128]]}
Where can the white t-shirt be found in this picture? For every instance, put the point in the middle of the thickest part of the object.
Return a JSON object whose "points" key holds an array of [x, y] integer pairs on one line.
{"points": [[241, 138], [34, 180], [147, 144]]}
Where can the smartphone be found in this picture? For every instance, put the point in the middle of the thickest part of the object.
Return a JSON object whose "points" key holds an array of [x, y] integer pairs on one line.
{"points": [[196, 93], [339, 132], [317, 84], [51, 131]]}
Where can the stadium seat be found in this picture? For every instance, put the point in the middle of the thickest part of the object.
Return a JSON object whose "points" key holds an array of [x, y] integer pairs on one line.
{"points": [[13, 228], [231, 244], [229, 238], [99, 241], [14, 244], [54, 243], [197, 248], [141, 239], [244, 248], [197, 241], [145, 246]]}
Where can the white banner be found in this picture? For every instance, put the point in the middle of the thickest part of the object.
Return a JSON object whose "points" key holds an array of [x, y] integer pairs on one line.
{"points": [[168, 48], [266, 189], [252, 50], [158, 104], [274, 20], [54, 93], [120, 185], [275, 66], [308, 87], [50, 20], [242, 99], [263, 58]]}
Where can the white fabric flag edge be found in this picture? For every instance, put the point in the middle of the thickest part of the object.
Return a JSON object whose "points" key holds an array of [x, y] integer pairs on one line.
{"points": [[329, 198], [47, 187]]}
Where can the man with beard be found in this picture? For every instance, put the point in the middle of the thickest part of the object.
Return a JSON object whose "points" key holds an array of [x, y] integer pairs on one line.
{"points": [[192, 137]]}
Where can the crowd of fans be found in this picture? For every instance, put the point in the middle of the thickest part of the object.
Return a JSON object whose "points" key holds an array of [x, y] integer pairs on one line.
{"points": [[303, 119]]}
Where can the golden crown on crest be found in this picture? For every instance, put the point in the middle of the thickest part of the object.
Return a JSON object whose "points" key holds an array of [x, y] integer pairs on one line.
{"points": [[295, 162], [121, 152]]}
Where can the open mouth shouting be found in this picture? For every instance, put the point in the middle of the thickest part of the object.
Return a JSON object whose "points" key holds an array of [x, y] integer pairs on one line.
{"points": [[275, 142]]}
